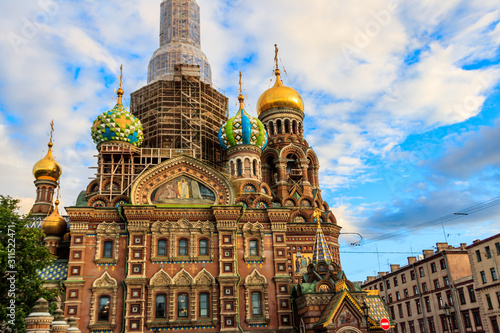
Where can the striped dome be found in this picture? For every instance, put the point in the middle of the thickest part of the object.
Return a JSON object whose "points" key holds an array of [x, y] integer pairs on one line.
{"points": [[243, 129]]}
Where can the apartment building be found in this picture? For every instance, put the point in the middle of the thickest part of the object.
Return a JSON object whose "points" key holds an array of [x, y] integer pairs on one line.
{"points": [[419, 294], [484, 256]]}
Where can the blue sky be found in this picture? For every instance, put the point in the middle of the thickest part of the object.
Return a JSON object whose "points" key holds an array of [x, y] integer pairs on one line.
{"points": [[401, 101]]}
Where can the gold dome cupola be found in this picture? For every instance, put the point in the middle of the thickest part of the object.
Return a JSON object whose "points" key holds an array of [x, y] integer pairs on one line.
{"points": [[48, 168], [279, 96]]}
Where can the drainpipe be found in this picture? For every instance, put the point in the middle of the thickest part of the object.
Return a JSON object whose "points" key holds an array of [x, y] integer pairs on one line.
{"points": [[421, 299], [458, 316]]}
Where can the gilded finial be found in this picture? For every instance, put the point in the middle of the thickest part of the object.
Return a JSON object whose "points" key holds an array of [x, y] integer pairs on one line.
{"points": [[317, 216], [51, 132], [241, 98], [276, 50], [120, 91]]}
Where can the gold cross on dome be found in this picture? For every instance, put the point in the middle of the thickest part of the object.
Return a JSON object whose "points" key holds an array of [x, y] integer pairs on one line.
{"points": [[276, 50], [241, 90], [51, 130], [121, 75]]}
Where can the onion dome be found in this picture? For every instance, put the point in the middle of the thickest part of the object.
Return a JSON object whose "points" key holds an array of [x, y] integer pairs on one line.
{"points": [[117, 124], [279, 96], [54, 224], [47, 167], [242, 129]]}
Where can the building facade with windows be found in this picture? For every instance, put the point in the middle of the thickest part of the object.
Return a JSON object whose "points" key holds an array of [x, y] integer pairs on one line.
{"points": [[418, 293], [190, 225], [484, 256]]}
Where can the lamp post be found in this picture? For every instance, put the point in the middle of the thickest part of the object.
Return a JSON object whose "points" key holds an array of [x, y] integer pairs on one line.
{"points": [[447, 313], [365, 309]]}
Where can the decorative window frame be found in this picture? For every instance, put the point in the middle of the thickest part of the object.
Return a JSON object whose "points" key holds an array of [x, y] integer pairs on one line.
{"points": [[181, 283], [107, 232], [103, 286], [174, 231], [253, 231], [160, 283], [256, 282]]}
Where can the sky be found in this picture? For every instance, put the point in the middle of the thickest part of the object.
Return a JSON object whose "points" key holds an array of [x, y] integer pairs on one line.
{"points": [[401, 102]]}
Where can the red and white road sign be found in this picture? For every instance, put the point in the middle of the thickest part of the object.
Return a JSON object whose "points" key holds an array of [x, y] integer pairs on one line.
{"points": [[385, 324]]}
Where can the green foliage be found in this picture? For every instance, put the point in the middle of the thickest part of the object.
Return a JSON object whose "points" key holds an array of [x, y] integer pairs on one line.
{"points": [[29, 255]]}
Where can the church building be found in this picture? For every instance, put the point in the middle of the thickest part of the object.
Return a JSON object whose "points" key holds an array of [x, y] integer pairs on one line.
{"points": [[200, 218]]}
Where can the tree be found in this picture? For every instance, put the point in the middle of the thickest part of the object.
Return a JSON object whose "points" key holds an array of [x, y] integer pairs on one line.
{"points": [[21, 253]]}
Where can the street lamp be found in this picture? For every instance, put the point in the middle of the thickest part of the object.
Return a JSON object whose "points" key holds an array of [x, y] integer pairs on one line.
{"points": [[447, 313], [365, 309]]}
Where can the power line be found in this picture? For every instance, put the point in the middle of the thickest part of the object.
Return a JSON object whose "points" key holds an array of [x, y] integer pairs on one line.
{"points": [[440, 220]]}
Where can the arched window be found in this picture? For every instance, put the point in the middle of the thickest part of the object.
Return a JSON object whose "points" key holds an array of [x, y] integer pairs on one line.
{"points": [[271, 128], [160, 306], [253, 248], [203, 305], [255, 168], [103, 308], [294, 127], [256, 304], [107, 249], [162, 247], [280, 130], [287, 126], [240, 168], [182, 306], [203, 247], [183, 247]]}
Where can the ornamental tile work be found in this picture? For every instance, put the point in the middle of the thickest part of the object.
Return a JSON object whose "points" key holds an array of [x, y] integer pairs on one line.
{"points": [[117, 124], [57, 271], [243, 129]]}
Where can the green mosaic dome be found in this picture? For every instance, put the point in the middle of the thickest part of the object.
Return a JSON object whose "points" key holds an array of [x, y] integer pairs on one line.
{"points": [[117, 124]]}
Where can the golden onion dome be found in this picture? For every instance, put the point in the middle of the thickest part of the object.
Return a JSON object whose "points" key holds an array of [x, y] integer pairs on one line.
{"points": [[54, 224], [47, 167], [279, 96]]}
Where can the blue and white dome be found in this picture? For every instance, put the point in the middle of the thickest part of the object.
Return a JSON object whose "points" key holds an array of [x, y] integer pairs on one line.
{"points": [[243, 129]]}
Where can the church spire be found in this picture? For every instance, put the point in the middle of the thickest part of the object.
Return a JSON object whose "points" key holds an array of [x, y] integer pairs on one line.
{"points": [[321, 252]]}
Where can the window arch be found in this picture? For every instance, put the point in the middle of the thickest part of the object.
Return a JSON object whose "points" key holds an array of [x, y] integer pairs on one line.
{"points": [[103, 314], [107, 249], [280, 129], [182, 305], [203, 247], [239, 168], [271, 128], [161, 250], [183, 247], [161, 306]]}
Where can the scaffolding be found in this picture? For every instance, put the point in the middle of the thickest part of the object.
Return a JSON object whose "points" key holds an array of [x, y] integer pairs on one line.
{"points": [[185, 113], [179, 117]]}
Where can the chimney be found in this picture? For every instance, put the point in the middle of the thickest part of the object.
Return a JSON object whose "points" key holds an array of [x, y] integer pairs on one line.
{"points": [[412, 260], [380, 274], [394, 268], [370, 278], [476, 241], [463, 246], [441, 246], [428, 253]]}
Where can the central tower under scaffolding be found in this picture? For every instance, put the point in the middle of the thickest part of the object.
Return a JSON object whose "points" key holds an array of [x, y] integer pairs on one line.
{"points": [[182, 114]]}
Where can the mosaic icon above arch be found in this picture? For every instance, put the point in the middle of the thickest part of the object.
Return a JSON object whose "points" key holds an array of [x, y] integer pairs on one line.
{"points": [[182, 181], [183, 190]]}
